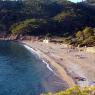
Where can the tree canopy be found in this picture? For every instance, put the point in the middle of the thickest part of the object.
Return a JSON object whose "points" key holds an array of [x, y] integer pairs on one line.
{"points": [[63, 17]]}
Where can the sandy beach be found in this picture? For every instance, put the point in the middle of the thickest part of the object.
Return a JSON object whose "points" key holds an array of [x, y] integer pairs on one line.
{"points": [[69, 64]]}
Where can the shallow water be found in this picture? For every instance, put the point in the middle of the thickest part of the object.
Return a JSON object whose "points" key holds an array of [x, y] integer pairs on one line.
{"points": [[22, 72]]}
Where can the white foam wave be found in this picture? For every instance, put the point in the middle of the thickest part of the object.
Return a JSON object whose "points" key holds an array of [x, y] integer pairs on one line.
{"points": [[48, 66], [34, 52]]}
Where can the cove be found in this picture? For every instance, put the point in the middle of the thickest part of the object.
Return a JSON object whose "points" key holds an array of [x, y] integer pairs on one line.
{"points": [[23, 73]]}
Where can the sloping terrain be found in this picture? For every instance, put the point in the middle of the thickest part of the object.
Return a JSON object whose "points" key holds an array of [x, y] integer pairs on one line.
{"points": [[62, 17]]}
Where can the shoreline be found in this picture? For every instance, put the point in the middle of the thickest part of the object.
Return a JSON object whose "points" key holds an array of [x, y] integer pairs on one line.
{"points": [[58, 70], [35, 52], [68, 63], [71, 65], [55, 83], [46, 80]]}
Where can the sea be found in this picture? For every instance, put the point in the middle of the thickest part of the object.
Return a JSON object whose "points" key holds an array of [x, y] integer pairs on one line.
{"points": [[23, 72]]}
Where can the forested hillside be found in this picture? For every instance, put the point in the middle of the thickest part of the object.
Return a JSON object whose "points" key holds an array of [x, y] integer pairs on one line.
{"points": [[55, 17]]}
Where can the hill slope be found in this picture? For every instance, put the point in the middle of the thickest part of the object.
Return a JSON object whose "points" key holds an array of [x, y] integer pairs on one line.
{"points": [[61, 17]]}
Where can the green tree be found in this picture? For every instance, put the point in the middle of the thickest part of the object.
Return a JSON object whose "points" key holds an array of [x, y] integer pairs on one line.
{"points": [[90, 41], [88, 32], [80, 35], [26, 26]]}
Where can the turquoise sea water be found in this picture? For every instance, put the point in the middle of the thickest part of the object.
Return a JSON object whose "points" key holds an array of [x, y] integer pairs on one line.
{"points": [[22, 72]]}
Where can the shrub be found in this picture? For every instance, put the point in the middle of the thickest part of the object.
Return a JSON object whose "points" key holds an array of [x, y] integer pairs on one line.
{"points": [[76, 91], [67, 40], [86, 37], [88, 31], [80, 35], [90, 41]]}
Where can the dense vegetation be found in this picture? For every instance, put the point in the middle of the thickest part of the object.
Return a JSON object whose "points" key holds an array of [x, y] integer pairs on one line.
{"points": [[41, 17], [76, 91], [86, 37]]}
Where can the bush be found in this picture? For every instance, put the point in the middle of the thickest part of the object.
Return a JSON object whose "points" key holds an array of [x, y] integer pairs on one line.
{"points": [[86, 37], [80, 35], [76, 91], [67, 40], [90, 41], [88, 31]]}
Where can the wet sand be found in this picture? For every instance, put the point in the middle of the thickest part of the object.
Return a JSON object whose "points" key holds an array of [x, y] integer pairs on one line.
{"points": [[68, 63]]}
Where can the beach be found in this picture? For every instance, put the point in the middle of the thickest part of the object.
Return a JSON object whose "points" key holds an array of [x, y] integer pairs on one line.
{"points": [[67, 63]]}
